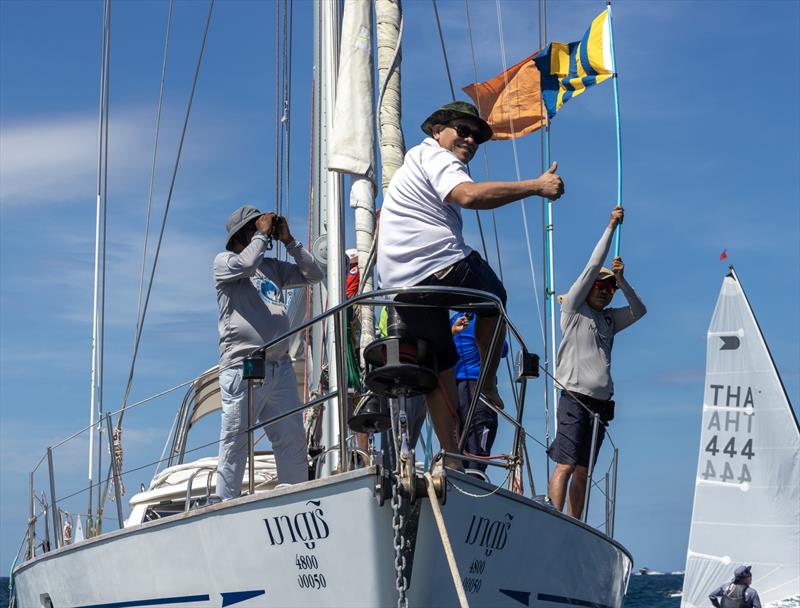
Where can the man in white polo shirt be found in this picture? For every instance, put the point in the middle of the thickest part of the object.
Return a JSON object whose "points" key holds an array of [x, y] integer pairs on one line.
{"points": [[421, 243]]}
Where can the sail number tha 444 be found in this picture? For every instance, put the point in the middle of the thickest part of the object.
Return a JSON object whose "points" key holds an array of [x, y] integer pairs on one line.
{"points": [[724, 471]]}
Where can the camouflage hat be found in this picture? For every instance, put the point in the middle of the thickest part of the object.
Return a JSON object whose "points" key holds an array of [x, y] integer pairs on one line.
{"points": [[458, 109]]}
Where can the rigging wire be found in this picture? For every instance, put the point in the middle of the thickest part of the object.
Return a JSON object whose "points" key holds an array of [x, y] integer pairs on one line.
{"points": [[444, 50], [453, 95], [166, 212], [499, 13], [494, 218], [153, 166], [150, 187], [485, 151]]}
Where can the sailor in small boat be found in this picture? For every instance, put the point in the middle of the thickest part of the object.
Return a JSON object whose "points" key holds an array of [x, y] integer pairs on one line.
{"points": [[583, 366], [737, 593], [421, 243], [251, 313]]}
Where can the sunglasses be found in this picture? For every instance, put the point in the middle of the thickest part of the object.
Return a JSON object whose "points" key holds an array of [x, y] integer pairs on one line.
{"points": [[465, 131], [605, 286]]}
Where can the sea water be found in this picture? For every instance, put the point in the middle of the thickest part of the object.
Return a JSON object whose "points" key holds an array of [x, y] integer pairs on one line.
{"points": [[644, 591], [654, 591]]}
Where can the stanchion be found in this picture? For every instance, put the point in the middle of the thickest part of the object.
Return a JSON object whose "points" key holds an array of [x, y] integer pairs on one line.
{"points": [[595, 426]]}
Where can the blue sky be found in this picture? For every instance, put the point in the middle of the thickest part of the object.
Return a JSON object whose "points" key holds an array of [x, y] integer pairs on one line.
{"points": [[710, 132]]}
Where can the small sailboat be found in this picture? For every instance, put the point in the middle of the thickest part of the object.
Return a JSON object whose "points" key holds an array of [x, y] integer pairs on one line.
{"points": [[747, 491]]}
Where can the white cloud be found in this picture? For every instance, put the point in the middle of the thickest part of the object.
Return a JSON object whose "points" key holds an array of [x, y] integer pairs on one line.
{"points": [[55, 159]]}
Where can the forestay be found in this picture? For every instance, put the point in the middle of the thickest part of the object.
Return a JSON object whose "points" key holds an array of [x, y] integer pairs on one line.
{"points": [[747, 490]]}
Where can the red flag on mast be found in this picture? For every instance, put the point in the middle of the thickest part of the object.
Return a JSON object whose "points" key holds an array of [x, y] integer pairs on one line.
{"points": [[723, 255]]}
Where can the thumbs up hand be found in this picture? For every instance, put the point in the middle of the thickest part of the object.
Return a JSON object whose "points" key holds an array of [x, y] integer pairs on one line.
{"points": [[549, 184]]}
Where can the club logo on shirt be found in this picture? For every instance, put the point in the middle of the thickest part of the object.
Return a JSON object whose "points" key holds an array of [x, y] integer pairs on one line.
{"points": [[268, 290]]}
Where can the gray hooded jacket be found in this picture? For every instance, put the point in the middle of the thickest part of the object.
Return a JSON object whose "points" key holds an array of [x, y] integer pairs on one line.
{"points": [[251, 307]]}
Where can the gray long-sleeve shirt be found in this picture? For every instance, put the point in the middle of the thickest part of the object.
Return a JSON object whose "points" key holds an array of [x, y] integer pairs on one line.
{"points": [[584, 357], [251, 307]]}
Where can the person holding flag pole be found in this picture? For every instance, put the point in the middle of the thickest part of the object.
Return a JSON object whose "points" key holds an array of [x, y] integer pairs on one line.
{"points": [[527, 96]]}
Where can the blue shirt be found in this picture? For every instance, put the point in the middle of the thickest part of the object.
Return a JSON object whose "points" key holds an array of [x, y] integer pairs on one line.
{"points": [[469, 362]]}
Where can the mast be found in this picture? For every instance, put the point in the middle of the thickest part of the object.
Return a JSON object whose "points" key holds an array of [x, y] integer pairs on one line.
{"points": [[97, 235], [328, 207], [317, 221]]}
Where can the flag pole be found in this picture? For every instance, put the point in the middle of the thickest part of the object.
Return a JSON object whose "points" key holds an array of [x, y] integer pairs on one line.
{"points": [[551, 282], [619, 132]]}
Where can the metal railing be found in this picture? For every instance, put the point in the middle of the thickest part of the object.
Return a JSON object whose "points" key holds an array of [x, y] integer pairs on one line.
{"points": [[475, 300]]}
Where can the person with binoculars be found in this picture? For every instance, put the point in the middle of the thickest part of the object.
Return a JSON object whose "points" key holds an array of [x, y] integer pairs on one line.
{"points": [[252, 312]]}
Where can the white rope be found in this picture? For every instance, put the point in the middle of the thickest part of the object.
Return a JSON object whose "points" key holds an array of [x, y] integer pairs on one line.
{"points": [[448, 548], [471, 495], [516, 167]]}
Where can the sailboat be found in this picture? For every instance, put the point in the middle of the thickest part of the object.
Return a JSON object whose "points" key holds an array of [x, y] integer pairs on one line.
{"points": [[353, 535], [747, 490]]}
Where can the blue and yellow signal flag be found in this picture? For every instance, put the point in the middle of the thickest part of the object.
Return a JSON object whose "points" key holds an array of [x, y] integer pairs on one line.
{"points": [[568, 69]]}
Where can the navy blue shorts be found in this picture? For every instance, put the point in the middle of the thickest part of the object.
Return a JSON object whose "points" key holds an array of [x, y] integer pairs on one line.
{"points": [[433, 324], [483, 430], [573, 441]]}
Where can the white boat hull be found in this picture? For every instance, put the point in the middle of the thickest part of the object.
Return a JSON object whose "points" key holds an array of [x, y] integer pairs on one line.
{"points": [[330, 543]]}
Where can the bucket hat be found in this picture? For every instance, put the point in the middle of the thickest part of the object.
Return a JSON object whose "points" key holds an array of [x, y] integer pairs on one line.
{"points": [[457, 109], [238, 220]]}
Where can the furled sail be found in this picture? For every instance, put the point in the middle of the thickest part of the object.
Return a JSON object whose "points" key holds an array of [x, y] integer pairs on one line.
{"points": [[352, 142], [747, 490]]}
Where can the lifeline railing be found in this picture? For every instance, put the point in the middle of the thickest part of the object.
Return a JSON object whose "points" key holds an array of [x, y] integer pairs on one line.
{"points": [[485, 301]]}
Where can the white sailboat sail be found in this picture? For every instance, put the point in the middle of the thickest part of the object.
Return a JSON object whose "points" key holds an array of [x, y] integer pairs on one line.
{"points": [[747, 490]]}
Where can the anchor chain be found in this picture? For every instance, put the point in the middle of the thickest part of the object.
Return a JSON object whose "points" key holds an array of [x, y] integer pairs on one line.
{"points": [[401, 584]]}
